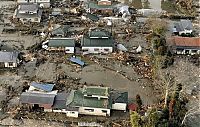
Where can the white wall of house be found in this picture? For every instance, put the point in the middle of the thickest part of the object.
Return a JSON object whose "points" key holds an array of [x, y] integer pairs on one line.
{"points": [[69, 49], [47, 110], [11, 64], [185, 32], [188, 51], [68, 113], [94, 111], [96, 50], [119, 106], [35, 19]]}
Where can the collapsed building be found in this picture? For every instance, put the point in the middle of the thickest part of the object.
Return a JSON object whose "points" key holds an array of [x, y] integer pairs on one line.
{"points": [[41, 3]]}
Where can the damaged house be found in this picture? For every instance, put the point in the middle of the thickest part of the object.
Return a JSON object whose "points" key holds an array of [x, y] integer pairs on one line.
{"points": [[97, 41], [9, 59], [41, 3], [28, 13], [66, 45], [185, 45], [183, 27]]}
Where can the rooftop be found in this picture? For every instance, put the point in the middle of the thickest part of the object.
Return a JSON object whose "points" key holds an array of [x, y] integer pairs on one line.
{"points": [[44, 87], [94, 5], [61, 42], [8, 56], [37, 98], [28, 7], [183, 25], [186, 41], [60, 100], [80, 101], [98, 38], [95, 90]]}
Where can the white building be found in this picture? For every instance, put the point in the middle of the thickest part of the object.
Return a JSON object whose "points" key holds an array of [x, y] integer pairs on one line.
{"points": [[28, 13], [66, 45], [97, 41], [41, 3], [9, 59]]}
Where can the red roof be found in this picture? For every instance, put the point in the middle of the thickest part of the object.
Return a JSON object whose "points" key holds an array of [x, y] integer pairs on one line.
{"points": [[132, 107], [187, 41]]}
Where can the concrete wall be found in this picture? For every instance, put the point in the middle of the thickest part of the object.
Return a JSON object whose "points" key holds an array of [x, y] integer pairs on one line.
{"points": [[94, 111], [69, 49], [97, 50], [10, 64], [119, 106]]}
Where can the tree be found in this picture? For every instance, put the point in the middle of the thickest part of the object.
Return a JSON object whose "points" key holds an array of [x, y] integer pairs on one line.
{"points": [[139, 102], [135, 119]]}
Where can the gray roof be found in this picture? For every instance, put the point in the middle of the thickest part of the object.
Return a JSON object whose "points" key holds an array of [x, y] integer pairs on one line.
{"points": [[119, 97], [28, 7], [60, 100], [61, 42], [183, 25], [61, 30], [98, 38], [37, 98], [8, 56]]}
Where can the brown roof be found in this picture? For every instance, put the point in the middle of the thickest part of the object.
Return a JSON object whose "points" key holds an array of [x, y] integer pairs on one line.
{"points": [[186, 41]]}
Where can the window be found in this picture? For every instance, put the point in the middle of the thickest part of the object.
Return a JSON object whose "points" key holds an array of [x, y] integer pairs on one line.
{"points": [[73, 112], [90, 110], [106, 49], [24, 19], [67, 50], [10, 63], [36, 19], [96, 49], [104, 111], [85, 50]]}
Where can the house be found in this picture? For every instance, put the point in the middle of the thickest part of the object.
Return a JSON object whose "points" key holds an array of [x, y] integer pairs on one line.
{"points": [[9, 59], [185, 45], [183, 27], [91, 101], [97, 41], [100, 7], [28, 13], [66, 45], [41, 3]]}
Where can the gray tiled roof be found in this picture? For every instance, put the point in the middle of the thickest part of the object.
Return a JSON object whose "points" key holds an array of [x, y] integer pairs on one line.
{"points": [[37, 98], [98, 38], [8, 56], [61, 42], [28, 7], [183, 25]]}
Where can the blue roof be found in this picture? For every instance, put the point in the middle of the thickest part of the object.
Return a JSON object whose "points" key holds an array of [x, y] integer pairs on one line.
{"points": [[45, 87], [77, 61]]}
